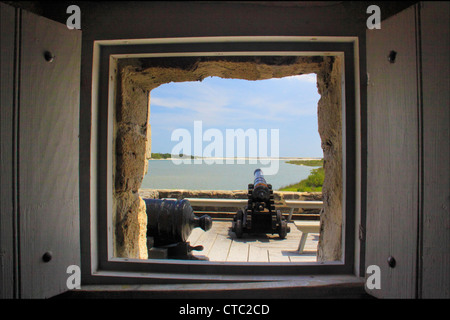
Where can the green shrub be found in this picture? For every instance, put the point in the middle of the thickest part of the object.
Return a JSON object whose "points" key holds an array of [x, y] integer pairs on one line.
{"points": [[313, 183]]}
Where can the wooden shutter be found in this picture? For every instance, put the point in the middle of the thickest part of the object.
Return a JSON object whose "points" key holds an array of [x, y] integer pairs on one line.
{"points": [[393, 154], [408, 167], [48, 124], [7, 44], [434, 280]]}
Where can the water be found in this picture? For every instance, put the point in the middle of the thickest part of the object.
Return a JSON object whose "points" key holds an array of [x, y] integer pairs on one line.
{"points": [[164, 174]]}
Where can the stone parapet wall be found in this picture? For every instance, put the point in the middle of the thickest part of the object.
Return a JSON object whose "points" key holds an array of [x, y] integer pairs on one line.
{"points": [[279, 198]]}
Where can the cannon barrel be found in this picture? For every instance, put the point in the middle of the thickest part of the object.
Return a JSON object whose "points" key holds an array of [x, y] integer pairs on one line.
{"points": [[172, 221], [261, 190], [259, 178]]}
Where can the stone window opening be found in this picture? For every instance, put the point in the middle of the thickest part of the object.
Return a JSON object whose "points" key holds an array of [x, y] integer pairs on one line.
{"points": [[132, 134]]}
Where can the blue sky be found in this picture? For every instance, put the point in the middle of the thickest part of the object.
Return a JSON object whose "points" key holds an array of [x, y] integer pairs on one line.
{"points": [[288, 104]]}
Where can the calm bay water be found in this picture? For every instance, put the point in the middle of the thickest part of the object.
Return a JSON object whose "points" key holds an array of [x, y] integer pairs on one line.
{"points": [[164, 174]]}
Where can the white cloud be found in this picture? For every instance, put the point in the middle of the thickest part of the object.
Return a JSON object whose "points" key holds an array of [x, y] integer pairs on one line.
{"points": [[199, 99], [225, 104], [310, 77]]}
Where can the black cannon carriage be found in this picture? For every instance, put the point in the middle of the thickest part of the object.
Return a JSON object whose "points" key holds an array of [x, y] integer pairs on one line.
{"points": [[260, 215], [169, 224]]}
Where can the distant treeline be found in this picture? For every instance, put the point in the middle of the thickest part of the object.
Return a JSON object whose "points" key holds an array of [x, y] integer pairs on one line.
{"points": [[313, 183], [157, 156], [311, 163]]}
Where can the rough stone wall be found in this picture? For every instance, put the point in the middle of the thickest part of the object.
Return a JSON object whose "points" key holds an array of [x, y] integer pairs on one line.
{"points": [[132, 136], [330, 130], [132, 143]]}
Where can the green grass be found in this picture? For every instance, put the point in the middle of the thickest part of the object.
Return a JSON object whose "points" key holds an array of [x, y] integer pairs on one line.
{"points": [[310, 163], [166, 156], [313, 183]]}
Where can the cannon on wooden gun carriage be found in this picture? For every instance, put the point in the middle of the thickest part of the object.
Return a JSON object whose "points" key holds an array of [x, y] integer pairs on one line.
{"points": [[169, 224], [259, 216]]}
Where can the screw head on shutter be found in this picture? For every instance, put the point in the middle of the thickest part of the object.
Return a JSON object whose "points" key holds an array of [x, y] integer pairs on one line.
{"points": [[47, 256], [391, 261], [49, 57], [392, 55]]}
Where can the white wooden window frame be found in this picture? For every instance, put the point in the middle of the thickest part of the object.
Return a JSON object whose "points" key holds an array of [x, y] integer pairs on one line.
{"points": [[104, 268]]}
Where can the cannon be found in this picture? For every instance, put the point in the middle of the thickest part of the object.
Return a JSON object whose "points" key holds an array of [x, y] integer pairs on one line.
{"points": [[169, 224], [259, 216]]}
